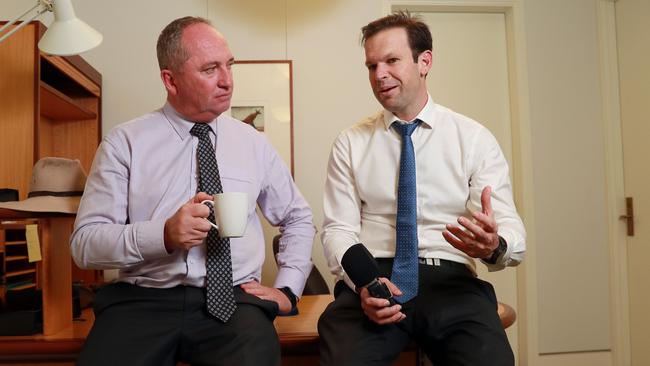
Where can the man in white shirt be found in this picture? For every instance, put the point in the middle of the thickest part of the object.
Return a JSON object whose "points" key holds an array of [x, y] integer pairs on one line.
{"points": [[460, 208]]}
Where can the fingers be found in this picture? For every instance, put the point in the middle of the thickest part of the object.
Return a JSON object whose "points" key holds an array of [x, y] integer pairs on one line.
{"points": [[378, 310], [488, 223], [383, 314], [486, 200], [465, 236], [477, 238], [474, 231], [468, 243], [197, 210], [267, 293], [253, 288], [391, 286], [187, 227], [199, 197], [457, 243]]}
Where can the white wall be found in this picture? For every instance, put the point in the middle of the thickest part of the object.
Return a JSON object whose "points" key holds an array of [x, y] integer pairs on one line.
{"points": [[330, 86]]}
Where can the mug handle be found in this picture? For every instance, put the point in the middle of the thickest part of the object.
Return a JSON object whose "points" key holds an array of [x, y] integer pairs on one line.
{"points": [[205, 202]]}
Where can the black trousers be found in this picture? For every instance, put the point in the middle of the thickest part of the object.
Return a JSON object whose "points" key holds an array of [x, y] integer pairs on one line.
{"points": [[144, 326], [453, 319]]}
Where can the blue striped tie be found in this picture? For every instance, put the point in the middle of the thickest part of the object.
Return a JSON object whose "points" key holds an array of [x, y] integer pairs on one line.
{"points": [[405, 264]]}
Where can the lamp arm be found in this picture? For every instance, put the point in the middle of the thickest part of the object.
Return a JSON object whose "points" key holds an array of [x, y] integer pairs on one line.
{"points": [[47, 7]]}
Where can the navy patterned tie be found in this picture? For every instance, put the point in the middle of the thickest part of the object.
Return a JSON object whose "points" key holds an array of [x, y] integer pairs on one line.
{"points": [[218, 265], [405, 264]]}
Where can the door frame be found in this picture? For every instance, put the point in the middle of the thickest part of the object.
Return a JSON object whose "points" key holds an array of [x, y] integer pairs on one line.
{"points": [[522, 167], [615, 187]]}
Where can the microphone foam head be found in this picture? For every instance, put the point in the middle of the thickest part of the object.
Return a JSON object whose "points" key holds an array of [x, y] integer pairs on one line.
{"points": [[360, 265]]}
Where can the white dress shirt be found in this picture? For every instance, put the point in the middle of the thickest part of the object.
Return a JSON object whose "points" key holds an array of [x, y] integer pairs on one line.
{"points": [[456, 158], [146, 169]]}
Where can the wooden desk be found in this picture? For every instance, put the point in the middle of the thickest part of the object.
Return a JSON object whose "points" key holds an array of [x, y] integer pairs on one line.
{"points": [[298, 338], [299, 334], [63, 345]]}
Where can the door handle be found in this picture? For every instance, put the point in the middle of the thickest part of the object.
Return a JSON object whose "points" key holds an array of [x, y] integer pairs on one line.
{"points": [[629, 215]]}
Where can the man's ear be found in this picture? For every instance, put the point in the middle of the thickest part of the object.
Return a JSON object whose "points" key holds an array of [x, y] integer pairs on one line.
{"points": [[425, 60], [168, 80]]}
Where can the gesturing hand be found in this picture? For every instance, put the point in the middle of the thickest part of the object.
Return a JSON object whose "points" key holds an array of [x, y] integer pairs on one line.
{"points": [[479, 237]]}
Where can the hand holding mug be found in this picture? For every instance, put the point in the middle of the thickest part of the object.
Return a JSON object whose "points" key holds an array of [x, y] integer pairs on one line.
{"points": [[230, 213], [187, 227]]}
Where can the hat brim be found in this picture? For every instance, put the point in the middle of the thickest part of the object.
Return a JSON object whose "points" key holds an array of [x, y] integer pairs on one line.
{"points": [[45, 204]]}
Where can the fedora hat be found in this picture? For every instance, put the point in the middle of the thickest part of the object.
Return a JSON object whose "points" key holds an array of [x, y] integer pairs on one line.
{"points": [[57, 185]]}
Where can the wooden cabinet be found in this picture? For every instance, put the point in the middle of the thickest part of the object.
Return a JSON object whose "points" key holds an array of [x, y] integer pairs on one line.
{"points": [[49, 106], [17, 273], [53, 272]]}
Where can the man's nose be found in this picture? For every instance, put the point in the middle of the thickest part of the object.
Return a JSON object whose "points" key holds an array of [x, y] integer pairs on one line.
{"points": [[225, 79], [381, 72]]}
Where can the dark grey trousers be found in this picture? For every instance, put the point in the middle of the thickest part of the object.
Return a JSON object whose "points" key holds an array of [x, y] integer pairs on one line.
{"points": [[453, 319], [143, 326]]}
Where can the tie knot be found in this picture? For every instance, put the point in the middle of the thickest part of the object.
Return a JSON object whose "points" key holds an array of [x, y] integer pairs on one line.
{"points": [[200, 129], [406, 129]]}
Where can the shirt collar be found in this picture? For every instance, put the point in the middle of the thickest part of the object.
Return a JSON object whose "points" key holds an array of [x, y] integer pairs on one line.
{"points": [[181, 125], [426, 115]]}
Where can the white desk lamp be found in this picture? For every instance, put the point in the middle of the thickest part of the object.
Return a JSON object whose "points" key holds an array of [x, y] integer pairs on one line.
{"points": [[66, 36]]}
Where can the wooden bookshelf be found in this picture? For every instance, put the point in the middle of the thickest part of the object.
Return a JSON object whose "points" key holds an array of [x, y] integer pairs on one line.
{"points": [[16, 272], [58, 106], [49, 106]]}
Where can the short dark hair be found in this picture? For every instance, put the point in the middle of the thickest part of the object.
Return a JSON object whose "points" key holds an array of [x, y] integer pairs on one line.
{"points": [[169, 48], [417, 31]]}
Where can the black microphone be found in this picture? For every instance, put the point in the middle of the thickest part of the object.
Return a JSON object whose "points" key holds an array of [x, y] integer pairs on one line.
{"points": [[363, 270]]}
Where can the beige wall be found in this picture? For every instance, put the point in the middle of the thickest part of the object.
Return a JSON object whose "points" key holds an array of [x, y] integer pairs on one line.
{"points": [[331, 92]]}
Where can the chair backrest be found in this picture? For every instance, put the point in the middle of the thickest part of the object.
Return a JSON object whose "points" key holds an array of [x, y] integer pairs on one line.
{"points": [[316, 284]]}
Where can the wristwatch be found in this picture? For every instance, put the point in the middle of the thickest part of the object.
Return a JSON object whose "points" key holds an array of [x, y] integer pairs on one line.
{"points": [[289, 294], [503, 246]]}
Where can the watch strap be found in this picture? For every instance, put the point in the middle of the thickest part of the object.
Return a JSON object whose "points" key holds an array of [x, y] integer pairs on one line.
{"points": [[503, 246]]}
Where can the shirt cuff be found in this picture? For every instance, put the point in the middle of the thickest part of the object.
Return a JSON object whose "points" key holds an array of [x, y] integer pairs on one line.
{"points": [[500, 262], [149, 239], [292, 278]]}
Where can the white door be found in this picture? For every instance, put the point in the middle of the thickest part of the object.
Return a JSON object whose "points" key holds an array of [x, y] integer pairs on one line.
{"points": [[470, 76], [633, 42]]}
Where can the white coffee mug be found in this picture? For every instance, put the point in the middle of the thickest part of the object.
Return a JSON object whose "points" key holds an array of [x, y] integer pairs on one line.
{"points": [[230, 213]]}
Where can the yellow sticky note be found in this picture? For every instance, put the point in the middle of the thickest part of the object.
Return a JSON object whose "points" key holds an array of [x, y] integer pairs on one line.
{"points": [[33, 244]]}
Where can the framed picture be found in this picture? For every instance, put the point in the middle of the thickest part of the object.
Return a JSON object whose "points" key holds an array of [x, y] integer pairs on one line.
{"points": [[252, 115], [262, 98]]}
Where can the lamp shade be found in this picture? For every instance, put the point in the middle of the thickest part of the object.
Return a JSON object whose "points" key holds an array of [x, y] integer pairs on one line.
{"points": [[68, 35]]}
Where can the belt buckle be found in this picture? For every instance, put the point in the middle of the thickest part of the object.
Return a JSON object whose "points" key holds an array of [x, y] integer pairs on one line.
{"points": [[430, 261]]}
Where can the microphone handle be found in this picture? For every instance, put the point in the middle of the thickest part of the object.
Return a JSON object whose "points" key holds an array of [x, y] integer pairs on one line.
{"points": [[380, 290]]}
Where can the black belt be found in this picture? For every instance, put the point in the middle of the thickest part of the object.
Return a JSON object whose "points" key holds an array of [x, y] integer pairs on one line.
{"points": [[434, 262]]}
